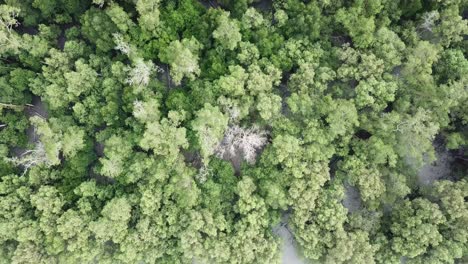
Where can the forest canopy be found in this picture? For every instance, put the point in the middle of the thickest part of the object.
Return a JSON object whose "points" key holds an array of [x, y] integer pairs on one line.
{"points": [[186, 131]]}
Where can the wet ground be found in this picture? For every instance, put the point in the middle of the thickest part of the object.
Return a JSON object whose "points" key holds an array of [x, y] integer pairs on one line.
{"points": [[290, 253], [37, 108], [352, 200], [440, 169]]}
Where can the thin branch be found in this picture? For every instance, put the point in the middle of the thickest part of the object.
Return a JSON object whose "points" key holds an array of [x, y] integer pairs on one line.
{"points": [[461, 158], [11, 106], [168, 77], [38, 114]]}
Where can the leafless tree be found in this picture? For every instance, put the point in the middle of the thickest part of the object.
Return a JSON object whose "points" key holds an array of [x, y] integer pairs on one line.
{"points": [[121, 44], [429, 20], [30, 158], [244, 142], [140, 74]]}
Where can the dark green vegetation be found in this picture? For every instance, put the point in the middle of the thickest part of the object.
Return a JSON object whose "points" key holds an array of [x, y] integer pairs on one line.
{"points": [[182, 131]]}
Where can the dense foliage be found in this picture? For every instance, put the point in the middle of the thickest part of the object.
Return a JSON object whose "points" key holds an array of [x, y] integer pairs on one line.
{"points": [[184, 131]]}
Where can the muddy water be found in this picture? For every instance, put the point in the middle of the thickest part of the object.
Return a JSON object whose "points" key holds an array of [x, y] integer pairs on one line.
{"points": [[290, 254], [440, 169], [352, 200], [289, 249]]}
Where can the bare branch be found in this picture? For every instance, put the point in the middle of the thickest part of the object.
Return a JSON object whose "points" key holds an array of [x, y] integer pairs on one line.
{"points": [[242, 141], [30, 158], [11, 106]]}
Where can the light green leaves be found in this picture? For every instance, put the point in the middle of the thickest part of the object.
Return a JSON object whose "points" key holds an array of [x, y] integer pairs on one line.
{"points": [[415, 227], [269, 105], [164, 138], [227, 33], [149, 14], [9, 39], [117, 151], [54, 139], [113, 223], [81, 80], [415, 135], [182, 57], [209, 126], [233, 84]]}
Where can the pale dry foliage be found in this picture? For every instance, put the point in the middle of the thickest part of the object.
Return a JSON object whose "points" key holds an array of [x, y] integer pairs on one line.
{"points": [[8, 17], [234, 114], [241, 142], [99, 3], [139, 109], [140, 74], [8, 39], [203, 174], [121, 44], [429, 20]]}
